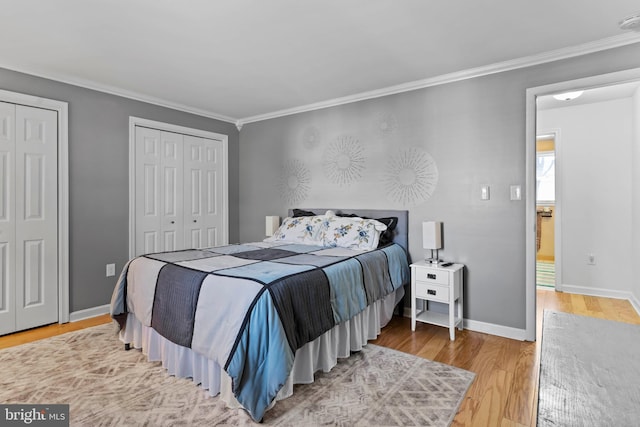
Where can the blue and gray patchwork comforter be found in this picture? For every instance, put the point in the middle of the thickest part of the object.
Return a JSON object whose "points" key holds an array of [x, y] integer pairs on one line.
{"points": [[250, 307]]}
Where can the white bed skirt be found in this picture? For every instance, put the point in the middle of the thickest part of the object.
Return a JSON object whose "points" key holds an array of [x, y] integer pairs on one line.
{"points": [[320, 354]]}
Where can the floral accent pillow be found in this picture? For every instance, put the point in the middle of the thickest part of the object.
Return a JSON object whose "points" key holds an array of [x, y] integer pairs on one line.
{"points": [[352, 233], [303, 229]]}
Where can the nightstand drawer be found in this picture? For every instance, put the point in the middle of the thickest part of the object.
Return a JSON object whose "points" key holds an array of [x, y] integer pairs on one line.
{"points": [[432, 291], [432, 275]]}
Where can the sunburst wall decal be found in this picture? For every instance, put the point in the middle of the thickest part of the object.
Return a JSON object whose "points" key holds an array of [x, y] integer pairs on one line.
{"points": [[295, 181], [343, 161], [411, 177], [311, 137], [385, 124]]}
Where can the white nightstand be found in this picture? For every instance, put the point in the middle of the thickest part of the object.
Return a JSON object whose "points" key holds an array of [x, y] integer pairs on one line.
{"points": [[431, 282]]}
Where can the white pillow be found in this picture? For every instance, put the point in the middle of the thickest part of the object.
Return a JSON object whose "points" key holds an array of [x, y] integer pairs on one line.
{"points": [[352, 233], [303, 229]]}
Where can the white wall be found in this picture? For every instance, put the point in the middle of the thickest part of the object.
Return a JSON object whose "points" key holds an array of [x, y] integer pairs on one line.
{"points": [[635, 284], [596, 170]]}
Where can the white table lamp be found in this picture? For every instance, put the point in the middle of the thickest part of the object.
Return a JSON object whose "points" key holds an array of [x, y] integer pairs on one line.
{"points": [[272, 225], [432, 238]]}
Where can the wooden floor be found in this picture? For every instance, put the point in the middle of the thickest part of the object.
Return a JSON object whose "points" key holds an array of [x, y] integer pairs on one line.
{"points": [[50, 331], [504, 392]]}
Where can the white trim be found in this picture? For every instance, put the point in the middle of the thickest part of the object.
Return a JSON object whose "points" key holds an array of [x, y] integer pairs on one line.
{"points": [[597, 292], [137, 121], [88, 313], [62, 110], [527, 61], [530, 229], [493, 329], [499, 67], [530, 217], [635, 303]]}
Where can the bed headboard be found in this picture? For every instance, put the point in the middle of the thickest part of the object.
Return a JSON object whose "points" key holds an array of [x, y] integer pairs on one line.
{"points": [[401, 233]]}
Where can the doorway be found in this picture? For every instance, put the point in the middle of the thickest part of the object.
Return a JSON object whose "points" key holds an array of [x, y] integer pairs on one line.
{"points": [[590, 255], [545, 209]]}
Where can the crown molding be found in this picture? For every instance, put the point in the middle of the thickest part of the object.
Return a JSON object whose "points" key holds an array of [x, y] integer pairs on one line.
{"points": [[112, 90], [527, 61], [555, 55]]}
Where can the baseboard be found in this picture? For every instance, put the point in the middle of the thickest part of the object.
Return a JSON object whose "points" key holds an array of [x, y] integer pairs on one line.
{"points": [[493, 329], [486, 328], [89, 312], [635, 303], [596, 292]]}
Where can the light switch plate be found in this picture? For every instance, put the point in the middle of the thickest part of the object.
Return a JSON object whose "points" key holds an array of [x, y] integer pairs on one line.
{"points": [[516, 192], [484, 192]]}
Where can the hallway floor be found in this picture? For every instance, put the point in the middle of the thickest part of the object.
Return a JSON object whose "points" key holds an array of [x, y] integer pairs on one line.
{"points": [[546, 273]]}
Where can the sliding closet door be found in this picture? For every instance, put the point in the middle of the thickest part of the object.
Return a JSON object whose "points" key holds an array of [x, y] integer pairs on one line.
{"points": [[28, 217], [203, 189]]}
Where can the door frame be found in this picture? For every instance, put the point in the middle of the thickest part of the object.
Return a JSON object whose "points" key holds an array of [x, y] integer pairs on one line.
{"points": [[62, 110], [168, 127], [530, 170]]}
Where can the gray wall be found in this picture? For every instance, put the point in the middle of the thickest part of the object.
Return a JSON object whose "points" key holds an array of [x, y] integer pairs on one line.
{"points": [[475, 132], [98, 177]]}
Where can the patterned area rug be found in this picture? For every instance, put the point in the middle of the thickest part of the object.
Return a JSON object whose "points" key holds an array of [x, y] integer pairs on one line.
{"points": [[589, 372], [106, 385], [546, 273]]}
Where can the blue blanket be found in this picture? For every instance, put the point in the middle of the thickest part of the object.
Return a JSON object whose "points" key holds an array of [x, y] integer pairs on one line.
{"points": [[293, 293]]}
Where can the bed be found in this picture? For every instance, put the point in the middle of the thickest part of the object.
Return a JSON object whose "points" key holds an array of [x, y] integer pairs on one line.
{"points": [[248, 321]]}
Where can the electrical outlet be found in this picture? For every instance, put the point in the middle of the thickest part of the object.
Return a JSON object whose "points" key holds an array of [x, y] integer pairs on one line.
{"points": [[111, 270], [591, 259]]}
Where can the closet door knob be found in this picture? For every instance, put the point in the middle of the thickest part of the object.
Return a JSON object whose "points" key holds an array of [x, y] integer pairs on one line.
{"points": [[195, 220], [173, 222]]}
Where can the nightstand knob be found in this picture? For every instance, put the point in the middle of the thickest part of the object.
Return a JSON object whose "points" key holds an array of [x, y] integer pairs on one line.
{"points": [[431, 291], [431, 276]]}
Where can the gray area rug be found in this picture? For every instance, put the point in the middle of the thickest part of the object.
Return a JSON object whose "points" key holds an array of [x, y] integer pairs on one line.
{"points": [[589, 372], [108, 386]]}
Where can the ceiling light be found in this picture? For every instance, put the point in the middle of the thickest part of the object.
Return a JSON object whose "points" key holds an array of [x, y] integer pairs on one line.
{"points": [[568, 96], [630, 23]]}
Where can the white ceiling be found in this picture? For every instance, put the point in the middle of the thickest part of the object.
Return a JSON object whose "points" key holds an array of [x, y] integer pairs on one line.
{"points": [[243, 60]]}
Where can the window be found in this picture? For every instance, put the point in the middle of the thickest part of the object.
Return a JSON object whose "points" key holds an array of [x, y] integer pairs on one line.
{"points": [[546, 177]]}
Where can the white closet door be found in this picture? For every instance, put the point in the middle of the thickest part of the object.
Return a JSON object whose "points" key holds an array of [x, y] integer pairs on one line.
{"points": [[203, 192], [159, 195], [7, 218], [171, 195], [179, 191], [36, 217], [147, 190]]}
